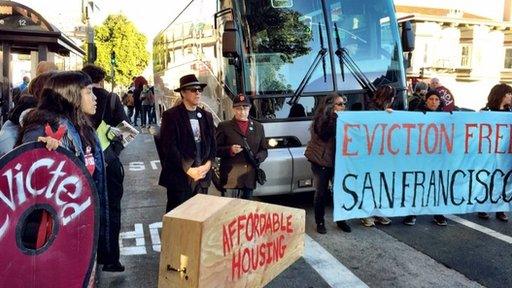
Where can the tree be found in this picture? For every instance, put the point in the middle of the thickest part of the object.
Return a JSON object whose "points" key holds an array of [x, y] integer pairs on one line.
{"points": [[279, 31], [120, 35]]}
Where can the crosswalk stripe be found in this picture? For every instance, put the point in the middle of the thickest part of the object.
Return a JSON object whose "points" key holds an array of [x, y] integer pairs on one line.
{"points": [[333, 272], [480, 228]]}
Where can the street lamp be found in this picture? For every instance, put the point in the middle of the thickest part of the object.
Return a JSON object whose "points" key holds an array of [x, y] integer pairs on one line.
{"points": [[87, 11], [113, 68]]}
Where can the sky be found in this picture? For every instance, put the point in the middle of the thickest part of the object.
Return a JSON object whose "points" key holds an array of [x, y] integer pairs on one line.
{"points": [[149, 16]]}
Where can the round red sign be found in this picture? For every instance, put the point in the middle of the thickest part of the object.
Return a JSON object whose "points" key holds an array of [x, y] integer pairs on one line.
{"points": [[48, 218]]}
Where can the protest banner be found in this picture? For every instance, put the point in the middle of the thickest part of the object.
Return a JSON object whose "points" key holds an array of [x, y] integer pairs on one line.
{"points": [[212, 241], [411, 163], [48, 219]]}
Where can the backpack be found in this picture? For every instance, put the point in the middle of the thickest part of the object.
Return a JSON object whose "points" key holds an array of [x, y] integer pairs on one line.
{"points": [[128, 99], [147, 97]]}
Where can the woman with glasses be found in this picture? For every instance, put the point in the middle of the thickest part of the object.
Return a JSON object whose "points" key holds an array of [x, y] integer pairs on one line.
{"points": [[320, 153], [241, 147]]}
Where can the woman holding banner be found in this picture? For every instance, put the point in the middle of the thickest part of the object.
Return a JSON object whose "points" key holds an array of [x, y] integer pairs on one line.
{"points": [[499, 99], [432, 103], [381, 101], [60, 119], [320, 153]]}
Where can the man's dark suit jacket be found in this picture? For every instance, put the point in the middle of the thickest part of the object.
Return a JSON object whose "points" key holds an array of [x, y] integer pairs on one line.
{"points": [[179, 149]]}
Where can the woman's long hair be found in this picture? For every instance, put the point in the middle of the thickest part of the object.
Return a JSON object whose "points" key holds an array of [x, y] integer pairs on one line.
{"points": [[61, 97], [36, 86], [383, 97], [323, 110], [496, 95]]}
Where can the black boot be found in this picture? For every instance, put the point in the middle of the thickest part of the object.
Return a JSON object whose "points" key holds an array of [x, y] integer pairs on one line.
{"points": [[116, 267], [343, 225], [320, 228]]}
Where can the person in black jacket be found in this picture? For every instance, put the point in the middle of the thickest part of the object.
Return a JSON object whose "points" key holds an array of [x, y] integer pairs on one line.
{"points": [[320, 153], [187, 143], [432, 103], [113, 115], [237, 171], [418, 97]]}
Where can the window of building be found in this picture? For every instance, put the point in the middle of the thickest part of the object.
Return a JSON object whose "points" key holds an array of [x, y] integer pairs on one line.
{"points": [[465, 58], [508, 58], [427, 57]]}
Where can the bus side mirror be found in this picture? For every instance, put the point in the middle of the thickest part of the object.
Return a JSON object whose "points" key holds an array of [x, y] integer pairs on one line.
{"points": [[229, 40], [407, 37]]}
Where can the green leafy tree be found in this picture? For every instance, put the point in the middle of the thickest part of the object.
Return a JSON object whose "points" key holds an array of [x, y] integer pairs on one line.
{"points": [[120, 35], [279, 31]]}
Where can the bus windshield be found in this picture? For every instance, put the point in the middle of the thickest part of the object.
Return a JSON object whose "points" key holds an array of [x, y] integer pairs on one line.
{"points": [[368, 31], [283, 37]]}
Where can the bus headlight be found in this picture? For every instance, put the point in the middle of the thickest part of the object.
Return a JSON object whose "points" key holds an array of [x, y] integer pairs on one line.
{"points": [[272, 142], [283, 142], [305, 183]]}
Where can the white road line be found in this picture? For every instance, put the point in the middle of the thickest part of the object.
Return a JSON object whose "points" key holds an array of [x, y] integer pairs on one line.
{"points": [[333, 272], [480, 228]]}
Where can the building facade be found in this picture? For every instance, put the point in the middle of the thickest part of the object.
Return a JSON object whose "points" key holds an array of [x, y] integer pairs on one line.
{"points": [[466, 44]]}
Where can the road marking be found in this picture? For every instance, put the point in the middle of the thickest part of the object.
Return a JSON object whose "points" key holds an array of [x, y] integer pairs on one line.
{"points": [[155, 236], [138, 235], [480, 228], [138, 166], [333, 272], [153, 164]]}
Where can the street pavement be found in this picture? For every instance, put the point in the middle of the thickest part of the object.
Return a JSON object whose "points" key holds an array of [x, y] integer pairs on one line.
{"points": [[469, 252]]}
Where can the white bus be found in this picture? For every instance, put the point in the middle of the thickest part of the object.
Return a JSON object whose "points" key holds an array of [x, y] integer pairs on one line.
{"points": [[287, 55]]}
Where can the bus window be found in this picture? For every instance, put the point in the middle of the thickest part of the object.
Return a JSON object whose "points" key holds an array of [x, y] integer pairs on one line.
{"points": [[364, 29], [281, 44], [277, 108]]}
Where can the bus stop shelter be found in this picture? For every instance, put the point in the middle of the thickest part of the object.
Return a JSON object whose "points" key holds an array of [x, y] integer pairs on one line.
{"points": [[24, 31]]}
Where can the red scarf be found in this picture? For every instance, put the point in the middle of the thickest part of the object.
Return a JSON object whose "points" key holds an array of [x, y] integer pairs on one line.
{"points": [[243, 125]]}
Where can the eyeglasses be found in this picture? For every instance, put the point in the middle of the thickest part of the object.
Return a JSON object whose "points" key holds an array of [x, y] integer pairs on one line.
{"points": [[195, 89]]}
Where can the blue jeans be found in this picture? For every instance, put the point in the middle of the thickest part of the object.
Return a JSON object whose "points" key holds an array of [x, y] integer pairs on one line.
{"points": [[146, 109], [130, 113]]}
